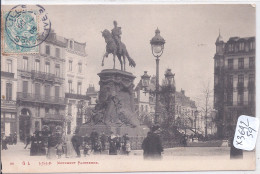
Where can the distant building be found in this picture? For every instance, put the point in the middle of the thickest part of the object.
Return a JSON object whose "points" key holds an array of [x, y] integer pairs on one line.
{"points": [[75, 83], [144, 101], [182, 108], [40, 91], [185, 113], [234, 81], [92, 95], [9, 120]]}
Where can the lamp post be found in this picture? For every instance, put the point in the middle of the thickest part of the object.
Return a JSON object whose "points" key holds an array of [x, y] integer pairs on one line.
{"points": [[157, 45]]}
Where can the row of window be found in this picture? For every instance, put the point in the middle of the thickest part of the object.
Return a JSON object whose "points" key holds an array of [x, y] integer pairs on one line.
{"points": [[241, 63], [37, 66], [251, 79], [241, 46], [240, 98], [48, 51], [79, 87], [180, 110], [71, 66], [47, 89]]}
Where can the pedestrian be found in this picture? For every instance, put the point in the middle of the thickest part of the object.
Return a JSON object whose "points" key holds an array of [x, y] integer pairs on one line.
{"points": [[127, 147], [15, 138], [52, 143], [40, 144], [76, 143], [27, 141], [103, 139], [4, 142], [152, 145], [118, 143], [234, 152], [34, 146], [70, 151], [97, 147], [112, 144], [59, 149], [94, 137]]}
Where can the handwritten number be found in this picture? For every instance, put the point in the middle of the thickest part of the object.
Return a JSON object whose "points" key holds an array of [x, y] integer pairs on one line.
{"points": [[240, 137]]}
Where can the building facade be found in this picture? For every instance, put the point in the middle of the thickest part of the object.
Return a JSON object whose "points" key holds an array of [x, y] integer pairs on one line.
{"points": [[40, 88], [186, 114], [9, 120], [75, 83], [174, 104], [144, 100], [234, 81]]}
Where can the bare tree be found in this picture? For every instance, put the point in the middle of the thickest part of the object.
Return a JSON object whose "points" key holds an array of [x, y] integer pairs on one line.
{"points": [[205, 103]]}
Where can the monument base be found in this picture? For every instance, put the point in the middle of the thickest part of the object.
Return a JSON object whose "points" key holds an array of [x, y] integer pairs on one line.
{"points": [[115, 109]]}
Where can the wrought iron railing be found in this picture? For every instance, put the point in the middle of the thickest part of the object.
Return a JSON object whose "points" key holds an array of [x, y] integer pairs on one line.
{"points": [[40, 98], [7, 74], [46, 76]]}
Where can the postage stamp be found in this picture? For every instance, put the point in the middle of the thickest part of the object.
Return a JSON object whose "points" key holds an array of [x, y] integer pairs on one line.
{"points": [[25, 28]]}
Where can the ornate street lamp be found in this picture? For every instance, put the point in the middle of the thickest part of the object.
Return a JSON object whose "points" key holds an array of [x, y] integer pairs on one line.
{"points": [[169, 77], [157, 45], [145, 80]]}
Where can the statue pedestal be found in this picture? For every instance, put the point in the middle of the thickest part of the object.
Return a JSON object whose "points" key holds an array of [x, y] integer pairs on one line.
{"points": [[115, 111]]}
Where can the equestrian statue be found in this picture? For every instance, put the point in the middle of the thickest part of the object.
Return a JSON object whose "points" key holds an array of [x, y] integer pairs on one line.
{"points": [[116, 47]]}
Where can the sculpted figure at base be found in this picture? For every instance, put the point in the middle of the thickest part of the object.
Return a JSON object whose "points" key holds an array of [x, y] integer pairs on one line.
{"points": [[116, 47]]}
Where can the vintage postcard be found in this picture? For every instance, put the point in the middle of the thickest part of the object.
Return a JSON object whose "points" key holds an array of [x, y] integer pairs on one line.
{"points": [[128, 88]]}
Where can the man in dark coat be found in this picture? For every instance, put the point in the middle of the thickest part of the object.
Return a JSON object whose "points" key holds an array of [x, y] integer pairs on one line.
{"points": [[76, 142], [152, 145], [15, 138], [103, 139]]}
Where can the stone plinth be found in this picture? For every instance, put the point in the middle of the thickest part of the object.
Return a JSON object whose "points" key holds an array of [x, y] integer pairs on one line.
{"points": [[115, 107]]}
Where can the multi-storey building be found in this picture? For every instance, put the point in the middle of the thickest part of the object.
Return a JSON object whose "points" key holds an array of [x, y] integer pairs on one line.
{"points": [[144, 101], [234, 80], [186, 113], [9, 118], [40, 92], [75, 83]]}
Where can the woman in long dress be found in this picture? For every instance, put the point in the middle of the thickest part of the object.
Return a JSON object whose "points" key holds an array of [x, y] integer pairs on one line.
{"points": [[52, 142], [70, 151]]}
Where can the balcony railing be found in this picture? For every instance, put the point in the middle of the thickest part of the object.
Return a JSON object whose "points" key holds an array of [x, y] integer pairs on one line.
{"points": [[77, 96], [7, 74], [54, 117], [8, 102], [245, 68], [40, 98], [46, 77]]}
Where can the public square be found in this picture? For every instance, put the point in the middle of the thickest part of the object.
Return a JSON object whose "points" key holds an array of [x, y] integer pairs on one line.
{"points": [[169, 154]]}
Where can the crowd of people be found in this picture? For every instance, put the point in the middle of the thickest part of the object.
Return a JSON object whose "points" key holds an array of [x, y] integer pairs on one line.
{"points": [[8, 140], [55, 145]]}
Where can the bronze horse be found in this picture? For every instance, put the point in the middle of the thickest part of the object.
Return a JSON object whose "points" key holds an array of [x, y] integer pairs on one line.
{"points": [[111, 47]]}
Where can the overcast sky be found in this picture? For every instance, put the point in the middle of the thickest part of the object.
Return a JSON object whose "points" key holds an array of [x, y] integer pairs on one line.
{"points": [[190, 32]]}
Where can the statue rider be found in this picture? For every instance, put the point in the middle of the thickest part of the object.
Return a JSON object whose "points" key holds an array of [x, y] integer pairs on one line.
{"points": [[116, 34]]}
